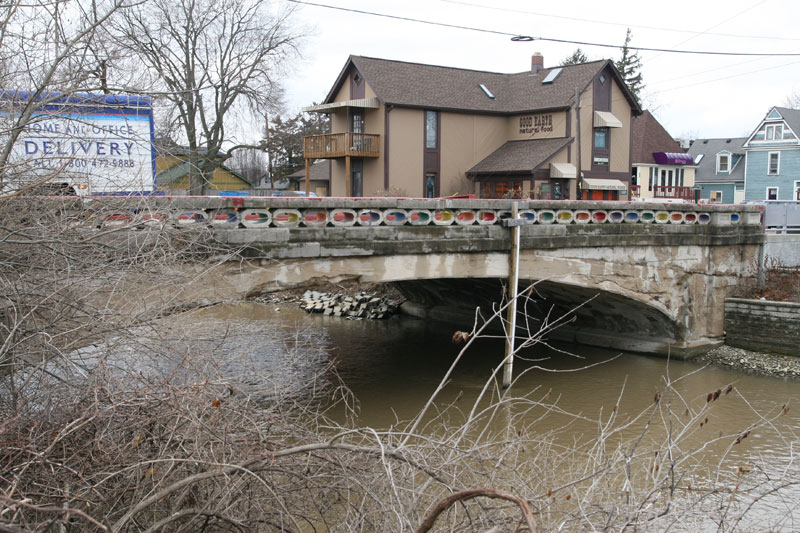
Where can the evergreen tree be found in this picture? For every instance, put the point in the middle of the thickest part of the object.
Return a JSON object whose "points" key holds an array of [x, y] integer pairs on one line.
{"points": [[630, 66], [576, 58]]}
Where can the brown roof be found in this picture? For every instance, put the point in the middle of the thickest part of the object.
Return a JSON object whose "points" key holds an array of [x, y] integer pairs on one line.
{"points": [[319, 171], [650, 136], [436, 87], [520, 157]]}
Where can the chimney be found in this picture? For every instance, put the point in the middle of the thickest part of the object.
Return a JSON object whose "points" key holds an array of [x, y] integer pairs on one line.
{"points": [[537, 63]]}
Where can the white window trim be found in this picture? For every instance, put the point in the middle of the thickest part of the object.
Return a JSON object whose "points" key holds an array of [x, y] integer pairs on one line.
{"points": [[726, 155], [777, 192], [715, 197], [774, 128], [769, 164], [796, 189]]}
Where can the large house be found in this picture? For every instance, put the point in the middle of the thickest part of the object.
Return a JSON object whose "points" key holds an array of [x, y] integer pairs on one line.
{"points": [[720, 169], [773, 157], [427, 131], [662, 170]]}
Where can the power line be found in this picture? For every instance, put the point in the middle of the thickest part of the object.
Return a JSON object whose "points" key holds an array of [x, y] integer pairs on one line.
{"points": [[621, 24], [724, 78], [527, 38]]}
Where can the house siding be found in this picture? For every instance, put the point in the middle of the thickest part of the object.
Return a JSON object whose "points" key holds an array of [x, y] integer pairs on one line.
{"points": [[727, 189], [758, 180]]}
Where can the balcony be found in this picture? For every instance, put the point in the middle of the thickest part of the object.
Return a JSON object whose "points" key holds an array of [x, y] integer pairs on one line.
{"points": [[341, 145], [674, 191]]}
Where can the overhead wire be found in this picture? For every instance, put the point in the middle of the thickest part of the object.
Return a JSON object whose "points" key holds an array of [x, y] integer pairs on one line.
{"points": [[621, 24], [526, 38]]}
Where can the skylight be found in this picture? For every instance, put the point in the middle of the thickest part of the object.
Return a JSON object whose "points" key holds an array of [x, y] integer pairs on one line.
{"points": [[698, 158], [552, 75], [486, 91]]}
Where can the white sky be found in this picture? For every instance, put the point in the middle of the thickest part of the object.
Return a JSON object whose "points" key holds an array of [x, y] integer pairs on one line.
{"points": [[697, 95]]}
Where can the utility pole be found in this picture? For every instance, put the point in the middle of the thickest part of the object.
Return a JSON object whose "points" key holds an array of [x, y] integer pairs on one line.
{"points": [[578, 148], [513, 283]]}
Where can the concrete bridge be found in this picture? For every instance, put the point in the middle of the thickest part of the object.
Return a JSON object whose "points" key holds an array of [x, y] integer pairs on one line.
{"points": [[637, 276]]}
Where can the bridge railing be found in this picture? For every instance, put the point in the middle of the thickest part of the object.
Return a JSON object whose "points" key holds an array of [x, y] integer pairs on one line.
{"points": [[250, 212]]}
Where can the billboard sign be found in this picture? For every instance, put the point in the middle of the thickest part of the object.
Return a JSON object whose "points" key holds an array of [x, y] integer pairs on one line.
{"points": [[98, 144]]}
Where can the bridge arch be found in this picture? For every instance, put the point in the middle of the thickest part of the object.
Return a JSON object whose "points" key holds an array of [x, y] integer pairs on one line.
{"points": [[631, 305]]}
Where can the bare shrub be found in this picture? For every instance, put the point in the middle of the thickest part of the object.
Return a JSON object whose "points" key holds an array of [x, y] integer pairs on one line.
{"points": [[779, 282]]}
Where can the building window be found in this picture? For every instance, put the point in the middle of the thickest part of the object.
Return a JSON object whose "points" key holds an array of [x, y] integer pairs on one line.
{"points": [[715, 197], [431, 129], [774, 163], [601, 138], [797, 190], [774, 132], [501, 189], [723, 163], [356, 184], [772, 193], [430, 185]]}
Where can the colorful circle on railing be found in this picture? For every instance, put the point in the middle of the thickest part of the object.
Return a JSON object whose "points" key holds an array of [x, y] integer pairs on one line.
{"points": [[419, 217], [632, 217], [256, 218], [583, 217], [616, 217], [189, 218], [647, 217], [117, 220], [154, 219], [703, 218], [315, 218], [465, 217], [370, 217], [546, 216], [599, 217], [224, 218], [676, 217], [443, 217], [286, 217], [395, 217], [662, 217], [690, 218], [343, 217], [486, 217]]}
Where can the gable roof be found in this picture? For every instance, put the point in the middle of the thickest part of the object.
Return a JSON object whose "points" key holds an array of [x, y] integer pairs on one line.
{"points": [[789, 115], [320, 171], [707, 167], [176, 172], [519, 157], [447, 88], [650, 136]]}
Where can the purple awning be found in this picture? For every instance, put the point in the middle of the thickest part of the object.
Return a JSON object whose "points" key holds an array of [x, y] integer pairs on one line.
{"points": [[672, 158]]}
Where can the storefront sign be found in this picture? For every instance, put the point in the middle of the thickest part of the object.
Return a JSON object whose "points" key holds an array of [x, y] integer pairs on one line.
{"points": [[534, 124]]}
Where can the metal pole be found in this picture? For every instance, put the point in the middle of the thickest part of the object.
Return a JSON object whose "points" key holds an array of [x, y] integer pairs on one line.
{"points": [[513, 282], [578, 176]]}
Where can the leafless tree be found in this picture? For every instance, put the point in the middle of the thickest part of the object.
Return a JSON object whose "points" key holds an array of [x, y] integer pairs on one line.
{"points": [[214, 61]]}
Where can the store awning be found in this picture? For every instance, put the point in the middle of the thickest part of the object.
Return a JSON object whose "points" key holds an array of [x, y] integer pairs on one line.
{"points": [[605, 119], [600, 184], [563, 170], [328, 108], [672, 158]]}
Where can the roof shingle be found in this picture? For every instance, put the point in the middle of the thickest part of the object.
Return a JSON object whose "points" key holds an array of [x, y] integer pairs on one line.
{"points": [[520, 157]]}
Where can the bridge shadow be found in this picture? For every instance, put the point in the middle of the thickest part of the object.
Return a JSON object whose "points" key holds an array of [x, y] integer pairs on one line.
{"points": [[566, 312]]}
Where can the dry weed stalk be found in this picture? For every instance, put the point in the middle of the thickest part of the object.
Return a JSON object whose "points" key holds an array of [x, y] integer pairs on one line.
{"points": [[146, 432]]}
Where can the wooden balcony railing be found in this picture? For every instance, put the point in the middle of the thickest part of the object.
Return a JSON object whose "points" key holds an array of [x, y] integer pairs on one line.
{"points": [[341, 145], [674, 191], [635, 190]]}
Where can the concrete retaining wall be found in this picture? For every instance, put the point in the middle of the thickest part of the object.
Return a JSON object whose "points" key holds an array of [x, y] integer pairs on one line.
{"points": [[785, 248], [763, 326]]}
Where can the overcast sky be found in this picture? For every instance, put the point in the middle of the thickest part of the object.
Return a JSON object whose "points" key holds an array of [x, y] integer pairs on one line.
{"points": [[696, 95]]}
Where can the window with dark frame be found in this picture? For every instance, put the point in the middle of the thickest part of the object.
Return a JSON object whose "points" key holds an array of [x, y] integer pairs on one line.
{"points": [[431, 129], [772, 193], [774, 163], [601, 138]]}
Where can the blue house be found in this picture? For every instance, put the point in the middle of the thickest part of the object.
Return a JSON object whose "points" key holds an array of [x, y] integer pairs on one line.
{"points": [[772, 152], [720, 169]]}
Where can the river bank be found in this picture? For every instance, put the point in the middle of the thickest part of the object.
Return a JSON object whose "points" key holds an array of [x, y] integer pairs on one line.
{"points": [[767, 364]]}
